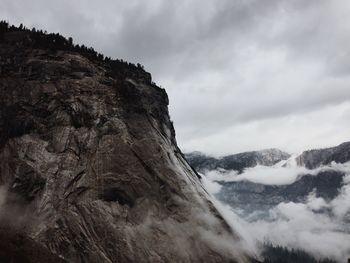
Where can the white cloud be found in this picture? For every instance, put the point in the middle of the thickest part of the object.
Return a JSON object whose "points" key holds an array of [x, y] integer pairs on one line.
{"points": [[282, 173], [298, 225], [341, 204], [211, 186]]}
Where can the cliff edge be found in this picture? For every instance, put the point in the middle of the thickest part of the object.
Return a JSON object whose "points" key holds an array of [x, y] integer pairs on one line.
{"points": [[89, 166]]}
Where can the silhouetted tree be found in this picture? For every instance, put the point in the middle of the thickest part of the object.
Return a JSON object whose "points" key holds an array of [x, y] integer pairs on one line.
{"points": [[70, 41], [54, 41], [279, 254]]}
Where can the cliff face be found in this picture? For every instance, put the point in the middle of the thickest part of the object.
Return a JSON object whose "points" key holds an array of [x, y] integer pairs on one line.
{"points": [[89, 167]]}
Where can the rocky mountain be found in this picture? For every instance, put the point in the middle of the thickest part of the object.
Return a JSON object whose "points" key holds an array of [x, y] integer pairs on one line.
{"points": [[237, 162], [315, 158], [297, 210], [251, 197], [89, 166]]}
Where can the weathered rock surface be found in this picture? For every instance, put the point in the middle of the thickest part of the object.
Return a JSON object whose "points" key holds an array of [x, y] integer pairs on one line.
{"points": [[89, 166]]}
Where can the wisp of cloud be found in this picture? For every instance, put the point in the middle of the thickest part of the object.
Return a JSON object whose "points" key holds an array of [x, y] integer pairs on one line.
{"points": [[318, 226]]}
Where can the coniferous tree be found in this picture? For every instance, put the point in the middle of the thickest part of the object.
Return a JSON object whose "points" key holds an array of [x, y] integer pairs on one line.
{"points": [[54, 42]]}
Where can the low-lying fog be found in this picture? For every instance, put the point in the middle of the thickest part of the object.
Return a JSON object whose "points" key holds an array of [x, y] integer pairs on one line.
{"points": [[318, 226]]}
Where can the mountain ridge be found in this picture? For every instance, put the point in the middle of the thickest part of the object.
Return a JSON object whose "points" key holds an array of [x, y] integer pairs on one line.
{"points": [[251, 196], [317, 157], [238, 161], [311, 159]]}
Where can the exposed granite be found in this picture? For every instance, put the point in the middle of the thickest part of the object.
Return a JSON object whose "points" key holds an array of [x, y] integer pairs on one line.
{"points": [[89, 166]]}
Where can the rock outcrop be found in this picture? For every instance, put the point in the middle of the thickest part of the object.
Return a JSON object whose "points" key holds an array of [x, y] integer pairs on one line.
{"points": [[89, 166]]}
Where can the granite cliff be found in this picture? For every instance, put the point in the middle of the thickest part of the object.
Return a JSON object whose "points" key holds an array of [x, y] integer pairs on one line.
{"points": [[89, 166]]}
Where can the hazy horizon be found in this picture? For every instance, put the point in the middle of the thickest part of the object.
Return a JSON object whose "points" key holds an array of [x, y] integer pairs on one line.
{"points": [[240, 75]]}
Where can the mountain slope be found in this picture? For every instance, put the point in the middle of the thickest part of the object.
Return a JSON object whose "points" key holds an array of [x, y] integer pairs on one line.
{"points": [[315, 158], [252, 197], [300, 206], [89, 166], [237, 162]]}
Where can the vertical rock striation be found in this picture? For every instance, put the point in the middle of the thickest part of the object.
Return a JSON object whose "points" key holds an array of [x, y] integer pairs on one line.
{"points": [[89, 166]]}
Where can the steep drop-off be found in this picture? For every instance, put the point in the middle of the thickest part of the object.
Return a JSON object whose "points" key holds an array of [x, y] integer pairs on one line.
{"points": [[89, 166]]}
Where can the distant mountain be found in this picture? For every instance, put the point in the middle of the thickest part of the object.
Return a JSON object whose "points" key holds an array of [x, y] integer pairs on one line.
{"points": [[315, 158], [237, 162], [90, 170], [286, 199], [250, 197]]}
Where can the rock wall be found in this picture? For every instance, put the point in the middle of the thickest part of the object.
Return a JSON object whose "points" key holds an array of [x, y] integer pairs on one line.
{"points": [[89, 166]]}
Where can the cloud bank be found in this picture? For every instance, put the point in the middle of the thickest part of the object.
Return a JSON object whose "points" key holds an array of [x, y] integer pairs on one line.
{"points": [[317, 226], [283, 173]]}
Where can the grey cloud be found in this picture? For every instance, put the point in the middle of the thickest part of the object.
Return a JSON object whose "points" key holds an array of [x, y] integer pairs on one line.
{"points": [[225, 64]]}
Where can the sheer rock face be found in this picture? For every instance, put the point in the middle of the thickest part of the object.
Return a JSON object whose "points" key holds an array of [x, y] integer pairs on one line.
{"points": [[89, 167]]}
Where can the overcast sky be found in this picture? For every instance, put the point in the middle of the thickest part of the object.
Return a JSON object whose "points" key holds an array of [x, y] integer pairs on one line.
{"points": [[240, 74]]}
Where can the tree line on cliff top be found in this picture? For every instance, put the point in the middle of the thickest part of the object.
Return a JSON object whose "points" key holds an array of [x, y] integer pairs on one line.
{"points": [[55, 41]]}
